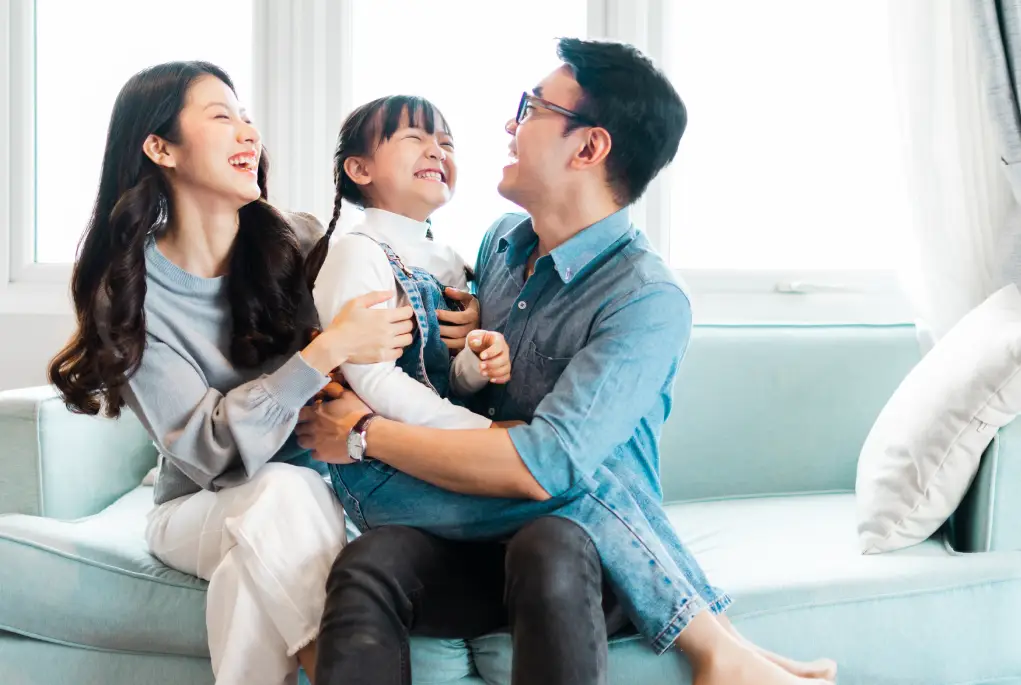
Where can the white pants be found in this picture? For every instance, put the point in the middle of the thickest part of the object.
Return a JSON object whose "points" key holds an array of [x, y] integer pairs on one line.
{"points": [[266, 548]]}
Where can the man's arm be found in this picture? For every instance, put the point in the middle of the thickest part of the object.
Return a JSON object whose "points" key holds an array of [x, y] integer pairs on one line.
{"points": [[594, 406], [607, 388], [472, 462]]}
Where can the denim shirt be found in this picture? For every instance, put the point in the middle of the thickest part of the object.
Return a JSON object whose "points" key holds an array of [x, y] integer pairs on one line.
{"points": [[596, 336]]}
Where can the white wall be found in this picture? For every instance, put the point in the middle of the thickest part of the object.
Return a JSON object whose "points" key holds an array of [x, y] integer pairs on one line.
{"points": [[27, 343]]}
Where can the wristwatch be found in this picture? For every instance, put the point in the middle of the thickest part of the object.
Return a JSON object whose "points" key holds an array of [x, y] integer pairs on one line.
{"points": [[356, 438]]}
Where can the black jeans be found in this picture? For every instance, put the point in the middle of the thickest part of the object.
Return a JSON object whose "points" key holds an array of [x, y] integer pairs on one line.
{"points": [[546, 583]]}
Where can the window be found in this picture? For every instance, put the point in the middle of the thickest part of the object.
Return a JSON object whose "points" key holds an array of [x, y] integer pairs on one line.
{"points": [[792, 158], [788, 178], [449, 53], [84, 52]]}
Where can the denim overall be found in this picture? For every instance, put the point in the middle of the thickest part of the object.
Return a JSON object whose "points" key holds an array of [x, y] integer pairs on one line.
{"points": [[661, 591], [427, 358]]}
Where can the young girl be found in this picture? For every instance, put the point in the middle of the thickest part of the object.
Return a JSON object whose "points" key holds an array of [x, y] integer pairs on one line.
{"points": [[395, 159]]}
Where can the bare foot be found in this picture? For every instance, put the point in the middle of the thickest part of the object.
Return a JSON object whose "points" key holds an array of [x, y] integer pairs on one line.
{"points": [[743, 666], [824, 669]]}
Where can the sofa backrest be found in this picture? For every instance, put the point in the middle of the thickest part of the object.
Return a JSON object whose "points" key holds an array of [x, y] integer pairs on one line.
{"points": [[762, 410], [62, 465]]}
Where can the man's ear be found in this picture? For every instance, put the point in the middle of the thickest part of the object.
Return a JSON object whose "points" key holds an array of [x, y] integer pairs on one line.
{"points": [[357, 169], [594, 149], [158, 150]]}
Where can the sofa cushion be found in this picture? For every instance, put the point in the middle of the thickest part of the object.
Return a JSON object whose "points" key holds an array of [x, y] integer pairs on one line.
{"points": [[24, 661], [923, 452], [802, 588], [756, 406], [925, 614], [93, 583]]}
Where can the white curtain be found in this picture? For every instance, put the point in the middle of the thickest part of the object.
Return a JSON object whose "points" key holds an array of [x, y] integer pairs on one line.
{"points": [[963, 213]]}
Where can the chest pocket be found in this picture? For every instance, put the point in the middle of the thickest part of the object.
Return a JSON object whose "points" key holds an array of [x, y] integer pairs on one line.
{"points": [[538, 373]]}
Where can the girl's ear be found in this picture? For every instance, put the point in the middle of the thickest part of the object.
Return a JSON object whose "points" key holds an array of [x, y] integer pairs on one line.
{"points": [[359, 170]]}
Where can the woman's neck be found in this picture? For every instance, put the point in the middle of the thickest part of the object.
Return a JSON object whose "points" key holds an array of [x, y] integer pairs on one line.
{"points": [[199, 239]]}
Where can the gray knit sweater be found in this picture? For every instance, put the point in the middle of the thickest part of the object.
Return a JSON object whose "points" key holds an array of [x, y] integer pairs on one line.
{"points": [[214, 424]]}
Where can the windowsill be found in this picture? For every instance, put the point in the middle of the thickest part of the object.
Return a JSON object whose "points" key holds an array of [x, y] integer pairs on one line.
{"points": [[710, 307], [735, 298], [811, 309], [47, 299]]}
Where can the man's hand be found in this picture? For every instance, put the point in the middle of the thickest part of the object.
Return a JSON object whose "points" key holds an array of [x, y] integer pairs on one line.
{"points": [[324, 428], [455, 326], [494, 352], [331, 390]]}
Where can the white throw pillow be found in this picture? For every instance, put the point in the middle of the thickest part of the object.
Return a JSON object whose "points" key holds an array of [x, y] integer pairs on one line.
{"points": [[924, 449]]}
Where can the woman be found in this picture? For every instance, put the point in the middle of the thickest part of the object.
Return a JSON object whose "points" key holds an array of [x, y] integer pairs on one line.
{"points": [[192, 310]]}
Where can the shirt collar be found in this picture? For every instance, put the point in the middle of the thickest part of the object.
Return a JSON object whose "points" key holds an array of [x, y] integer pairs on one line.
{"points": [[396, 230], [518, 243], [574, 255]]}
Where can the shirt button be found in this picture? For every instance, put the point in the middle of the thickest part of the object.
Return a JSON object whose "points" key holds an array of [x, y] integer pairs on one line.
{"points": [[522, 304], [492, 411]]}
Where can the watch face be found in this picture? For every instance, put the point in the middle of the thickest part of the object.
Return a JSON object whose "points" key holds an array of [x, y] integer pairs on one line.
{"points": [[354, 446]]}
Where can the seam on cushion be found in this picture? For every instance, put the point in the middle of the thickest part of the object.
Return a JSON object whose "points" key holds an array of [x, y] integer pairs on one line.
{"points": [[991, 507], [92, 648], [765, 495], [37, 420], [808, 326], [872, 598], [946, 455], [98, 564]]}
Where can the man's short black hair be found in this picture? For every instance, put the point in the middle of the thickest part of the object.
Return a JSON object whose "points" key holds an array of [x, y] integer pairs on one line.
{"points": [[623, 92]]}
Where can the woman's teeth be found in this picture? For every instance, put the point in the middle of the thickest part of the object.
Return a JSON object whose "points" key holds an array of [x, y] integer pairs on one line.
{"points": [[243, 162], [434, 175]]}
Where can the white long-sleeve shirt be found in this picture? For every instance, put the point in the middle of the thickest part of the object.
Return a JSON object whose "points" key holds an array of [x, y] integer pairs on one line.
{"points": [[356, 265]]}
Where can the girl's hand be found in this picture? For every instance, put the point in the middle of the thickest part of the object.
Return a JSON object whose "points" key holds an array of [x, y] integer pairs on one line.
{"points": [[494, 353]]}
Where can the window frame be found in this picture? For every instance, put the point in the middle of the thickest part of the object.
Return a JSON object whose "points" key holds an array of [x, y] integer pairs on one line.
{"points": [[299, 60]]}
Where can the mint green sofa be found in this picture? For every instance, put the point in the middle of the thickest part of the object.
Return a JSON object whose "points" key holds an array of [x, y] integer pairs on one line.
{"points": [[758, 472]]}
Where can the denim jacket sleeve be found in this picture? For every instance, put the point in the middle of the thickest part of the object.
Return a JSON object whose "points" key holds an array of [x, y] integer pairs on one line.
{"points": [[628, 364]]}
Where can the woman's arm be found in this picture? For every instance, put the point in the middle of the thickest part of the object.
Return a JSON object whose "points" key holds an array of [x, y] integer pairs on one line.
{"points": [[217, 439], [221, 439]]}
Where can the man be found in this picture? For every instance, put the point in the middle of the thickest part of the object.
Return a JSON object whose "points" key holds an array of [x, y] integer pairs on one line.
{"points": [[597, 326]]}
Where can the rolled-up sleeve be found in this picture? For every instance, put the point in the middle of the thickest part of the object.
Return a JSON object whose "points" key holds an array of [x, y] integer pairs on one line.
{"points": [[607, 388]]}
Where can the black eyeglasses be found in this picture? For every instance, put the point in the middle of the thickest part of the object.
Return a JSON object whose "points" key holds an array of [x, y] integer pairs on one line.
{"points": [[529, 101]]}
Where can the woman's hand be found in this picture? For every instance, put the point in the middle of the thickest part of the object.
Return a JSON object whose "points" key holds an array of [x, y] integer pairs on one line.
{"points": [[494, 353], [324, 428], [455, 326], [362, 335]]}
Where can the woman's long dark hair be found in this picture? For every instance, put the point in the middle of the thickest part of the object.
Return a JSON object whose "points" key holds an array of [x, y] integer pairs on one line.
{"points": [[264, 281], [364, 129]]}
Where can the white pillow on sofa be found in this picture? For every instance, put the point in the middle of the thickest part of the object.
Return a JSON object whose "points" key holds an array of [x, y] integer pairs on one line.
{"points": [[923, 451]]}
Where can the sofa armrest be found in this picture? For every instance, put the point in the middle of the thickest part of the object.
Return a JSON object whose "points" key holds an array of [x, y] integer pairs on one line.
{"points": [[62, 465], [989, 518]]}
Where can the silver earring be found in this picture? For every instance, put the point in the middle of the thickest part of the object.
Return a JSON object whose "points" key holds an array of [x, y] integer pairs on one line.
{"points": [[162, 215]]}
